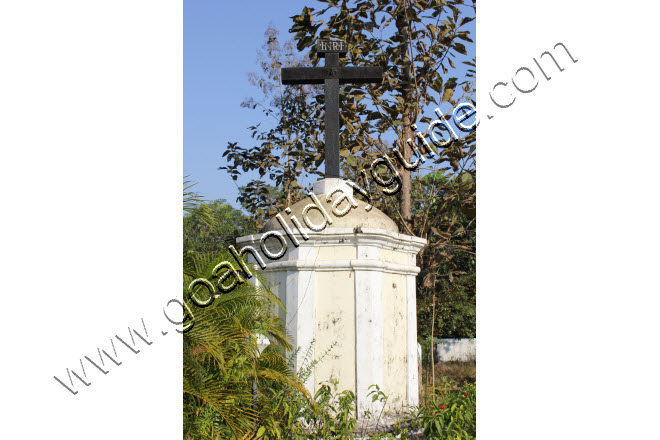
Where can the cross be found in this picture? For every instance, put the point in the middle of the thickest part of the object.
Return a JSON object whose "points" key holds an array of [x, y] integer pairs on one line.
{"points": [[331, 75]]}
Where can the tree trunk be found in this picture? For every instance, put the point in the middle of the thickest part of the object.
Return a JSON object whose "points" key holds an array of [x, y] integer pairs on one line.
{"points": [[406, 92], [433, 341]]}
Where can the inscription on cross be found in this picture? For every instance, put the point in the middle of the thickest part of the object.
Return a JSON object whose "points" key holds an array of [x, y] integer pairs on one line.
{"points": [[331, 75]]}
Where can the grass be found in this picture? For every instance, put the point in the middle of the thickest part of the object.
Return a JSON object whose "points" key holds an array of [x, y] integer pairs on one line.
{"points": [[460, 372]]}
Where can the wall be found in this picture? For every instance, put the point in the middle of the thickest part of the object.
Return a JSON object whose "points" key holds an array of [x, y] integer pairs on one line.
{"points": [[335, 322], [394, 339], [456, 350]]}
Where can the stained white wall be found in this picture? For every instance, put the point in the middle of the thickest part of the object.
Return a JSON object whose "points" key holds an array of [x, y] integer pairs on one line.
{"points": [[456, 350], [356, 292]]}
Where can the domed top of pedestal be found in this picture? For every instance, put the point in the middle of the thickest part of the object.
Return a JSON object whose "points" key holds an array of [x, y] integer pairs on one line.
{"points": [[355, 217]]}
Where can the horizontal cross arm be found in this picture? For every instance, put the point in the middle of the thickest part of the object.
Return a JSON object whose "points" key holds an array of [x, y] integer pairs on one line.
{"points": [[360, 75], [304, 75], [346, 75]]}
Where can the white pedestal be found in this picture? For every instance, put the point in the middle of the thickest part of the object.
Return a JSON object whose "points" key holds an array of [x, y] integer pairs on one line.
{"points": [[353, 287]]}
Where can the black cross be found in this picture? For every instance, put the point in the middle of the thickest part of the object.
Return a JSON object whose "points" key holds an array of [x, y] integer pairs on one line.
{"points": [[331, 75]]}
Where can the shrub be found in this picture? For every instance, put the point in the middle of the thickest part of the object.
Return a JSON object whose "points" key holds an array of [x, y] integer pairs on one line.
{"points": [[450, 413]]}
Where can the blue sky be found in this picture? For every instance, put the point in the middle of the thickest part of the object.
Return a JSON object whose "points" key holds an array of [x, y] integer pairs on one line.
{"points": [[220, 43]]}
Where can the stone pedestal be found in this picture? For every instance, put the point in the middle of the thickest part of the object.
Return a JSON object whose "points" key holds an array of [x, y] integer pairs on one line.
{"points": [[346, 277]]}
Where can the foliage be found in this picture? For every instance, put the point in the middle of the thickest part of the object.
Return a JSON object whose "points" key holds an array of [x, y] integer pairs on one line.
{"points": [[332, 415], [456, 308], [416, 44], [212, 226], [190, 198], [459, 372], [335, 418], [450, 414], [281, 407], [264, 201], [446, 291], [221, 359], [285, 150]]}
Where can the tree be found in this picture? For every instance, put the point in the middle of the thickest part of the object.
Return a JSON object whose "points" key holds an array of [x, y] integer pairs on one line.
{"points": [[221, 359], [213, 226], [444, 208], [287, 151], [415, 43], [261, 200], [419, 45]]}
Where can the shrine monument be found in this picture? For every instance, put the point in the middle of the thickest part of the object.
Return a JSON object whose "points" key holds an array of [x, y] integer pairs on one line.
{"points": [[347, 276]]}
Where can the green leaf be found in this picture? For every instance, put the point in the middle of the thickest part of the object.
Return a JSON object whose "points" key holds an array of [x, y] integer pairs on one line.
{"points": [[432, 30], [447, 95], [466, 20], [437, 84]]}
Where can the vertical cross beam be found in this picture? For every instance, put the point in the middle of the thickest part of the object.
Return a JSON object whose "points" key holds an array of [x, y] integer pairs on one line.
{"points": [[331, 85], [331, 76]]}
